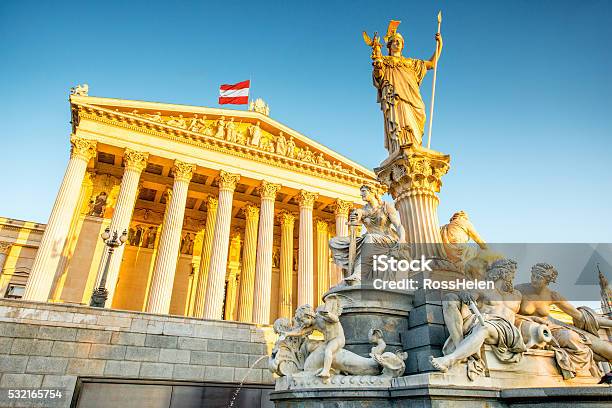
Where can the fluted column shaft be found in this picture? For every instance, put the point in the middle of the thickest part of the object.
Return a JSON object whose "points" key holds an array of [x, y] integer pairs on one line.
{"points": [[135, 162], [234, 265], [170, 241], [305, 250], [419, 214], [5, 247], [249, 253], [341, 212], [322, 260], [215, 289], [414, 177], [263, 266], [209, 233], [53, 240], [285, 285]]}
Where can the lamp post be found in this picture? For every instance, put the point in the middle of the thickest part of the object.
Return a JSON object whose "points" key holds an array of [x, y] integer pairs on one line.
{"points": [[99, 296]]}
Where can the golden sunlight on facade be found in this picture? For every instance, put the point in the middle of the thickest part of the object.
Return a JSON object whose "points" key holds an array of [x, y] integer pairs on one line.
{"points": [[228, 213]]}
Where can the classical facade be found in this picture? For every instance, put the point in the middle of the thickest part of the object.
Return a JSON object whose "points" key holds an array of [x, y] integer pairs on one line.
{"points": [[228, 212]]}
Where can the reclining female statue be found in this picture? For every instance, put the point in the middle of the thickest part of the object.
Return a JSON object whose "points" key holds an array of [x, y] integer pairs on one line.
{"points": [[577, 346]]}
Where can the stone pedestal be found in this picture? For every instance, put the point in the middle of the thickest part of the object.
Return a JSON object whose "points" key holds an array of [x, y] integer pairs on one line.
{"points": [[365, 308], [426, 331], [414, 176]]}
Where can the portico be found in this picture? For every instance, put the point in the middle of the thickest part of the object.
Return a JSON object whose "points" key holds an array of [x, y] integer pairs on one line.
{"points": [[210, 211]]}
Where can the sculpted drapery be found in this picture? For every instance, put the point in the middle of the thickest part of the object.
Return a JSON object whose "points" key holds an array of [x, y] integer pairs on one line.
{"points": [[397, 80]]}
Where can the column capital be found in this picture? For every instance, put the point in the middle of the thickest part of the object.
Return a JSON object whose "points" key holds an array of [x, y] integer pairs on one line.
{"points": [[414, 171], [228, 181], [82, 148], [286, 218], [212, 204], [321, 225], [250, 211], [135, 160], [5, 247], [306, 199], [267, 190], [183, 171], [342, 208]]}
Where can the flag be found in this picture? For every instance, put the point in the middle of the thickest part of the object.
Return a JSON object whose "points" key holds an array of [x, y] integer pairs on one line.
{"points": [[235, 94]]}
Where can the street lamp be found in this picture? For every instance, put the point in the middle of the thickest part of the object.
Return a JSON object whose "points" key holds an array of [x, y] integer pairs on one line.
{"points": [[99, 296]]}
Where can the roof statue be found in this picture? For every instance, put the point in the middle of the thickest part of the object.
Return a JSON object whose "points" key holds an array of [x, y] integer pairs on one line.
{"points": [[259, 106], [80, 90]]}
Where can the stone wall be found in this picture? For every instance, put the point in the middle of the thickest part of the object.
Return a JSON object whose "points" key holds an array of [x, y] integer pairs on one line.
{"points": [[45, 345]]}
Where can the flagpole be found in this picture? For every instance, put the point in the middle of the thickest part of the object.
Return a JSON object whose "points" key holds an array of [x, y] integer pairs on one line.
{"points": [[433, 91], [250, 90]]}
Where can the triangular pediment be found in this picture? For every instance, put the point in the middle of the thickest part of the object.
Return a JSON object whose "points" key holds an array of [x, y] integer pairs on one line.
{"points": [[236, 130]]}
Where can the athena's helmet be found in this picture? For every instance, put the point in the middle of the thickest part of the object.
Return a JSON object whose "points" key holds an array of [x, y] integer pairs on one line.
{"points": [[393, 34]]}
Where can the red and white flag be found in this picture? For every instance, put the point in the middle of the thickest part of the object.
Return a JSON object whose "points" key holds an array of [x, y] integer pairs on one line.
{"points": [[235, 94]]}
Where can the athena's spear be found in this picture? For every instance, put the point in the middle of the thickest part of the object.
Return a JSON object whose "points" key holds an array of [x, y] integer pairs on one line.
{"points": [[433, 91]]}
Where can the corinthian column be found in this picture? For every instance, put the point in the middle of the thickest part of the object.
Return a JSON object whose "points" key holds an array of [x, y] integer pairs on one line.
{"points": [[341, 212], [306, 200], [322, 259], [54, 238], [213, 308], [170, 241], [287, 222], [249, 252], [134, 162], [233, 267], [263, 267], [414, 176], [209, 232]]}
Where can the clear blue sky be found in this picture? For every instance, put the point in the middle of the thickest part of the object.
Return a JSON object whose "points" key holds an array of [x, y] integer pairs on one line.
{"points": [[522, 105]]}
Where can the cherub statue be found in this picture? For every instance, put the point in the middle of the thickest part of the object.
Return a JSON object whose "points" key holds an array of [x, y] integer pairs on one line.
{"points": [[327, 322], [290, 352], [296, 354]]}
